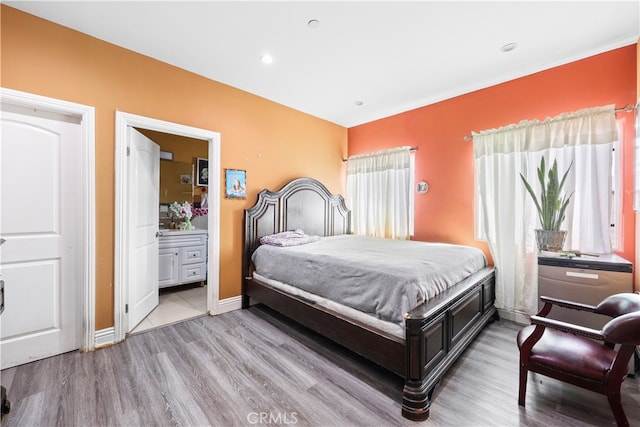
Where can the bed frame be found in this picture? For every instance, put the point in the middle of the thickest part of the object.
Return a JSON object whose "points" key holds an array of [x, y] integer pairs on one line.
{"points": [[437, 332]]}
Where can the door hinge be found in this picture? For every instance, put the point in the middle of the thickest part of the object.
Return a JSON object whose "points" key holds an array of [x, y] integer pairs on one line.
{"points": [[128, 151], [126, 308]]}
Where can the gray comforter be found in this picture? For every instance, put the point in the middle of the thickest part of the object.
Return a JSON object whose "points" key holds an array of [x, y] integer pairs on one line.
{"points": [[381, 277]]}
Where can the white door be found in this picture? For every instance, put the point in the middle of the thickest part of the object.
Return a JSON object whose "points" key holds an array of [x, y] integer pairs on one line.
{"points": [[40, 217], [143, 217]]}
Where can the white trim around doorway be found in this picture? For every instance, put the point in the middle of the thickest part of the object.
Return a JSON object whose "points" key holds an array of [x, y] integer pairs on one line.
{"points": [[86, 115], [123, 121]]}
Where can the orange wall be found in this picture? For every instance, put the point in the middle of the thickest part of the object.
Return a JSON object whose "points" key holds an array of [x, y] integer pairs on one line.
{"points": [[274, 144], [445, 159]]}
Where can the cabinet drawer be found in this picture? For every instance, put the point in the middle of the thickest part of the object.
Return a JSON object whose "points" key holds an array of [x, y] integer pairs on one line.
{"points": [[173, 239], [601, 283], [193, 272], [587, 286], [194, 254]]}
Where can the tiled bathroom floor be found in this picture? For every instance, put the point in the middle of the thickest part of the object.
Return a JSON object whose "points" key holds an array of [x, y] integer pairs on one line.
{"points": [[176, 304]]}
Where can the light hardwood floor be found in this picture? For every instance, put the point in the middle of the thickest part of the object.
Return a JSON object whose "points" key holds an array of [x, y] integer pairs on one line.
{"points": [[251, 367]]}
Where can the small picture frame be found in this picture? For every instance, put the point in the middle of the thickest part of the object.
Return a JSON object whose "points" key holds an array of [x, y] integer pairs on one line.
{"points": [[202, 172], [186, 179], [235, 184]]}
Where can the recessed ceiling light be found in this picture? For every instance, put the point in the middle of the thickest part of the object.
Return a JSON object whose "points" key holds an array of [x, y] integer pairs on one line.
{"points": [[313, 23], [266, 58], [509, 47]]}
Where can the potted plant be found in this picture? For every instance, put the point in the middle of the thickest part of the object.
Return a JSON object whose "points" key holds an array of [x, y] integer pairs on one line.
{"points": [[551, 206]]}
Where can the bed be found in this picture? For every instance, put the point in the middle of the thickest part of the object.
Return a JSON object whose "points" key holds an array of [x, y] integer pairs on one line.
{"points": [[433, 334]]}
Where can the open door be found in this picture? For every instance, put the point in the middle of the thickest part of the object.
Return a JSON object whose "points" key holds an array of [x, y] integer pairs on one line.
{"points": [[143, 217]]}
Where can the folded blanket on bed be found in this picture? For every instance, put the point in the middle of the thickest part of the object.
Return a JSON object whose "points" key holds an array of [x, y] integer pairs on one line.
{"points": [[381, 277]]}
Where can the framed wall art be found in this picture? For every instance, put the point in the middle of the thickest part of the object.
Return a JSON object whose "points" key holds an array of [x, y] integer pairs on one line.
{"points": [[202, 172], [186, 179], [235, 184]]}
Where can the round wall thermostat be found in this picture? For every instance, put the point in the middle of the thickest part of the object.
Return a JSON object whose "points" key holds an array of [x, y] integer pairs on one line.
{"points": [[422, 187]]}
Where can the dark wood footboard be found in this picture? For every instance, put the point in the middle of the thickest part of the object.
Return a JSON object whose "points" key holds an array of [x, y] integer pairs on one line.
{"points": [[438, 332]]}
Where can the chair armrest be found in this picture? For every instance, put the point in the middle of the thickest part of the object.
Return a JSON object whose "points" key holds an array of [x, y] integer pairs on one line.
{"points": [[549, 302], [567, 327], [568, 304]]}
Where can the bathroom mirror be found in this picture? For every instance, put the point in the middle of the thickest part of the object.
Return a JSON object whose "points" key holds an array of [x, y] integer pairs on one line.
{"points": [[176, 182]]}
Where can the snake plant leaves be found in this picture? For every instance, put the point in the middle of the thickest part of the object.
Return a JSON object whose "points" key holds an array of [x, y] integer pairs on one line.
{"points": [[552, 204]]}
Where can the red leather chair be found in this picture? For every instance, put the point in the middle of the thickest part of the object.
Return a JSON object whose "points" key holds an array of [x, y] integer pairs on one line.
{"points": [[591, 359]]}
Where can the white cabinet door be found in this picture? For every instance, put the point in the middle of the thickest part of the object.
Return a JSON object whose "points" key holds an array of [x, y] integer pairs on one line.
{"points": [[168, 264], [40, 200]]}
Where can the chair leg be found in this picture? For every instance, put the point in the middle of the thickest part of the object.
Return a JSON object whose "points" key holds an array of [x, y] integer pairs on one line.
{"points": [[616, 407], [523, 384]]}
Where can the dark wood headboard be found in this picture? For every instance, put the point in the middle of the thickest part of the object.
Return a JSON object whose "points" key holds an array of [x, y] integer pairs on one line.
{"points": [[303, 203]]}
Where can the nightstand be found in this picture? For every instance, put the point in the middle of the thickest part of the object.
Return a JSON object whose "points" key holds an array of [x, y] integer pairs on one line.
{"points": [[585, 279]]}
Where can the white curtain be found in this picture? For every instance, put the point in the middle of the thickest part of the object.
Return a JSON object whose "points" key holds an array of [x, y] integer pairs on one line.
{"points": [[506, 214], [379, 193]]}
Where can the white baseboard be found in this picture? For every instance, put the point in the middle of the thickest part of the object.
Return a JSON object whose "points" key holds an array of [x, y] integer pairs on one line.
{"points": [[229, 304], [105, 337], [514, 316]]}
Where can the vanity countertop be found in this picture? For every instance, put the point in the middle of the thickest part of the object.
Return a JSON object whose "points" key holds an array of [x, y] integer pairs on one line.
{"points": [[175, 231]]}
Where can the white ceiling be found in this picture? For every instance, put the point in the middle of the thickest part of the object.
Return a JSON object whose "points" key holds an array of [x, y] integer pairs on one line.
{"points": [[392, 56]]}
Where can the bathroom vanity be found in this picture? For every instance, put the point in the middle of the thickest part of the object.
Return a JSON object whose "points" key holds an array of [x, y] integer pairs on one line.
{"points": [[182, 257]]}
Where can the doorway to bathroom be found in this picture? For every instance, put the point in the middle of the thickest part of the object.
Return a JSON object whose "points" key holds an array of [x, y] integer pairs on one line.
{"points": [[132, 221], [182, 292]]}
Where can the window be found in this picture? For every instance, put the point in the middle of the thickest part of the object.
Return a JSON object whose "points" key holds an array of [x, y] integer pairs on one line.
{"points": [[380, 193]]}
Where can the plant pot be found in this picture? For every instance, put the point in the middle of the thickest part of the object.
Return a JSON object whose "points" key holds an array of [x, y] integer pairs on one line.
{"points": [[549, 240]]}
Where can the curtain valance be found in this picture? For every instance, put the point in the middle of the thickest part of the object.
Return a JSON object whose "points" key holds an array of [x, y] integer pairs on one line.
{"points": [[391, 159], [589, 126]]}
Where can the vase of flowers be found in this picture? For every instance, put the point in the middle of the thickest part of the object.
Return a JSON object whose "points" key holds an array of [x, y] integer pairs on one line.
{"points": [[182, 211], [551, 206]]}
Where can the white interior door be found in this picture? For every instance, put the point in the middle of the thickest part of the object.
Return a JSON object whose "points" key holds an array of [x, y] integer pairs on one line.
{"points": [[40, 216], [144, 207]]}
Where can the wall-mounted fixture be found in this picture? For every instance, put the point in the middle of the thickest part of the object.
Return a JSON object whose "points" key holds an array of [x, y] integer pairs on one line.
{"points": [[166, 155], [422, 187]]}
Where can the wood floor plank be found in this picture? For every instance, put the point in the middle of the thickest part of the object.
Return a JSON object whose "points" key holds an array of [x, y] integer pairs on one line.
{"points": [[253, 367]]}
